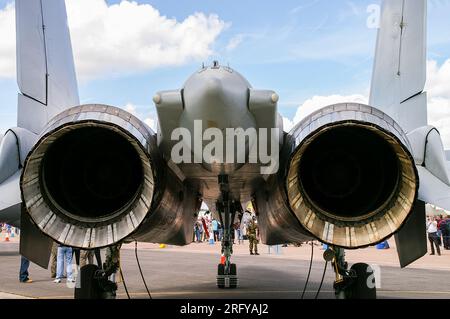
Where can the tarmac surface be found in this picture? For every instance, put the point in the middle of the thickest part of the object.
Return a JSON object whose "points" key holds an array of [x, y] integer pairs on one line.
{"points": [[190, 273]]}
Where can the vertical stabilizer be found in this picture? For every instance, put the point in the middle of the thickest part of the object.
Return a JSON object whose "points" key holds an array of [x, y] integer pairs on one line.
{"points": [[45, 68], [399, 72]]}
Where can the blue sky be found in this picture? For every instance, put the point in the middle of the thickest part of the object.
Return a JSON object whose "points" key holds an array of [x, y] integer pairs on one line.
{"points": [[298, 48]]}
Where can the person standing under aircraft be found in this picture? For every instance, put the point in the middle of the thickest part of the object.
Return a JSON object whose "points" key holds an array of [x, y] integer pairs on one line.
{"points": [[237, 232], [252, 234], [445, 229], [215, 229], [53, 260], [23, 275], [432, 230], [197, 232], [64, 260], [442, 227]]}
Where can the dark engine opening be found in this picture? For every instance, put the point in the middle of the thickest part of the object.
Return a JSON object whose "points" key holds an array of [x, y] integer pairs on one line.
{"points": [[91, 172], [349, 171]]}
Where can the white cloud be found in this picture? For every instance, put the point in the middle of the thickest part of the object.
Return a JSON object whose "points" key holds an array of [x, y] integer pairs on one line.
{"points": [[235, 42], [123, 38], [151, 123], [8, 42], [130, 37], [318, 102], [141, 112], [288, 125], [131, 108], [438, 88], [438, 79]]}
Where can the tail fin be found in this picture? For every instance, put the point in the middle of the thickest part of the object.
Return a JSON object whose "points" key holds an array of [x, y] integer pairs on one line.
{"points": [[399, 72], [45, 67]]}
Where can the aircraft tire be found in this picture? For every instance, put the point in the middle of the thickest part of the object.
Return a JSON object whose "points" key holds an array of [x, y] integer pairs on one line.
{"points": [[220, 272], [88, 287], [364, 285]]}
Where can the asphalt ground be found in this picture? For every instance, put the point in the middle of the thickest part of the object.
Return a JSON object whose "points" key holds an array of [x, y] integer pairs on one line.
{"points": [[190, 273]]}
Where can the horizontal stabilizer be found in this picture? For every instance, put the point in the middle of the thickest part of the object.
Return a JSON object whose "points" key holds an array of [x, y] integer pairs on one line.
{"points": [[432, 165], [432, 190]]}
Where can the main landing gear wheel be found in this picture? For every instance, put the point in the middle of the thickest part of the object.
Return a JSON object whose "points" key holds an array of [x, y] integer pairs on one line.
{"points": [[356, 283], [363, 286], [88, 287], [93, 281]]}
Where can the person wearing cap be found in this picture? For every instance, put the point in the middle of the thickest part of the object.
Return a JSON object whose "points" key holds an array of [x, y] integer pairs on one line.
{"points": [[252, 235]]}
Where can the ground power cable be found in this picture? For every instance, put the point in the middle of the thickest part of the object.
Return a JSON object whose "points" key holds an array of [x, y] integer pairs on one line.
{"points": [[321, 282], [309, 271], [124, 284], [140, 270]]}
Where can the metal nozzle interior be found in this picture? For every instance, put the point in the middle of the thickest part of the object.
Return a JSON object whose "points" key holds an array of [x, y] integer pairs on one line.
{"points": [[89, 181], [349, 172], [352, 181], [91, 173]]}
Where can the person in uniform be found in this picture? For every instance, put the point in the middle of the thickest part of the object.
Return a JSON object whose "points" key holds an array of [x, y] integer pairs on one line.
{"points": [[112, 261], [252, 235], [53, 258]]}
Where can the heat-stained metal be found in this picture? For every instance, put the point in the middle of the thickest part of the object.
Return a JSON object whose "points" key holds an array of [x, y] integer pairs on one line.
{"points": [[329, 207], [45, 177]]}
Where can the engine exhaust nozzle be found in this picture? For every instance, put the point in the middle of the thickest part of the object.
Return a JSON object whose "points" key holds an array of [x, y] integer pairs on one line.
{"points": [[89, 181], [352, 181]]}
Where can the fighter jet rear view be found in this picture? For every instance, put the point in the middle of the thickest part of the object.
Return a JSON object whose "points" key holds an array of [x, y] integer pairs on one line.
{"points": [[349, 175]]}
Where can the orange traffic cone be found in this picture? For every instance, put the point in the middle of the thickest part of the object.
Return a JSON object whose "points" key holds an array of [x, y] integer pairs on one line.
{"points": [[7, 237]]}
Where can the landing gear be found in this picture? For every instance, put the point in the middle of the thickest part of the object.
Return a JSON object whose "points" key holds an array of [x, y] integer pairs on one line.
{"points": [[356, 283], [93, 280], [227, 281], [226, 272], [364, 286]]}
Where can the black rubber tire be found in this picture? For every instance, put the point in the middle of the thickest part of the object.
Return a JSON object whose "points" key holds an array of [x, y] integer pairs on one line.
{"points": [[89, 288], [364, 286], [221, 272], [233, 272]]}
